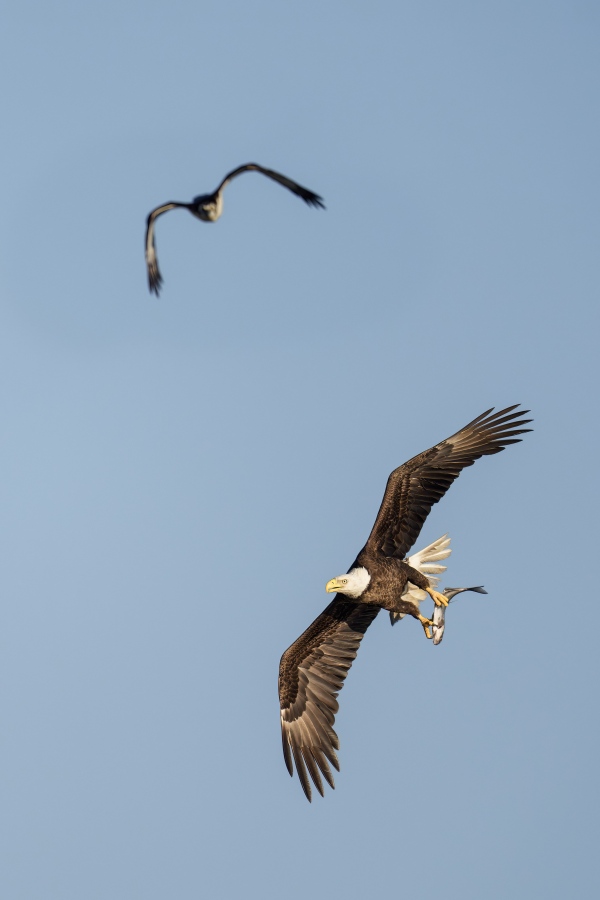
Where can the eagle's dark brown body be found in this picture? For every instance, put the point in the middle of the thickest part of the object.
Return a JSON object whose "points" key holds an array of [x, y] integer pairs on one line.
{"points": [[389, 577]]}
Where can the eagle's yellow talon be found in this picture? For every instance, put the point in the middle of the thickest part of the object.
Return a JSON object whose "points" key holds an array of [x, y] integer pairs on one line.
{"points": [[438, 599], [426, 623]]}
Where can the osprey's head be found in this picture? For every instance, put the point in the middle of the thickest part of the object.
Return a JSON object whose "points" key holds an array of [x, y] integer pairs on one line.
{"points": [[207, 207], [353, 584]]}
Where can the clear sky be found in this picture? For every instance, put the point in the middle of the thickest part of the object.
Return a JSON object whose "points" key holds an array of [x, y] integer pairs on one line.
{"points": [[181, 476]]}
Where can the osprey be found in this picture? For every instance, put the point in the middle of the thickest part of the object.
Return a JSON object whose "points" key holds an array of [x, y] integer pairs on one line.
{"points": [[312, 671], [209, 207]]}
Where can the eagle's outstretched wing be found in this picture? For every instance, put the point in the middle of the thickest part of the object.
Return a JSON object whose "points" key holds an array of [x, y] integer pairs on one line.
{"points": [[308, 196], [311, 674], [414, 487]]}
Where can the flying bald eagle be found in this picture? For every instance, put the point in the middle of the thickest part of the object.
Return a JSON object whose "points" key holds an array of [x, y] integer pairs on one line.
{"points": [[312, 671], [209, 207]]}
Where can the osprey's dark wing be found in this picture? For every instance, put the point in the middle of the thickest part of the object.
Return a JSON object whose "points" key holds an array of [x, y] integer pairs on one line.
{"points": [[414, 487], [308, 196], [311, 674], [154, 276]]}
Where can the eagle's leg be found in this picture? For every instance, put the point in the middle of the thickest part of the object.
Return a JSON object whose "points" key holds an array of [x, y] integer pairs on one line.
{"points": [[438, 599], [425, 623]]}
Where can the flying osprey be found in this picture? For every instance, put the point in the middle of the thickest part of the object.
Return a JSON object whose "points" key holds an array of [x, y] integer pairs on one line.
{"points": [[208, 208], [312, 671]]}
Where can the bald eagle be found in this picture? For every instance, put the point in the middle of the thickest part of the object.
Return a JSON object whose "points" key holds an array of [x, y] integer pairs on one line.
{"points": [[209, 207], [312, 671]]}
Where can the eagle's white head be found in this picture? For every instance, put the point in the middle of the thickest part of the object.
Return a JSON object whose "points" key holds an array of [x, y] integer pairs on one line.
{"points": [[352, 584]]}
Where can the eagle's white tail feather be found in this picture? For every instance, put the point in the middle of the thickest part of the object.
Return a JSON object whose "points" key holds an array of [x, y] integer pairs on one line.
{"points": [[422, 561]]}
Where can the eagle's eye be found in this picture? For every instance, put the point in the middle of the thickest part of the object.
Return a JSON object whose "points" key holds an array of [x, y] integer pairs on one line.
{"points": [[344, 581]]}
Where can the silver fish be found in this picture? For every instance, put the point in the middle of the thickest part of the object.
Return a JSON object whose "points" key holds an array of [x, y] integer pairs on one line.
{"points": [[439, 612]]}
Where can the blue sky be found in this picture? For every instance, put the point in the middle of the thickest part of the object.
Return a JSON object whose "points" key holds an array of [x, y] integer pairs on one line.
{"points": [[181, 476]]}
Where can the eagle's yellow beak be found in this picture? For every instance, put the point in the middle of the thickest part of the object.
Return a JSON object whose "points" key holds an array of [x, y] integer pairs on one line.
{"points": [[334, 585]]}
